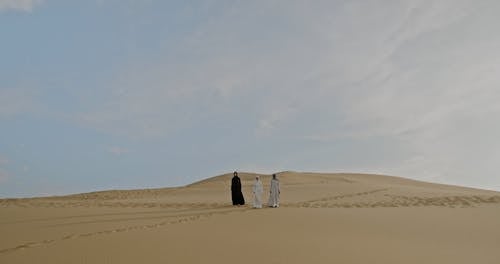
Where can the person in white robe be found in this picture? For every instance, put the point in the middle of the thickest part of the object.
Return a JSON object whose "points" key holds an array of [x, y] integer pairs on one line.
{"points": [[274, 192], [258, 189]]}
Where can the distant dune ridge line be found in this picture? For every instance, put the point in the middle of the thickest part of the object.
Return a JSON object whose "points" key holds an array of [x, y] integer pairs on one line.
{"points": [[384, 191]]}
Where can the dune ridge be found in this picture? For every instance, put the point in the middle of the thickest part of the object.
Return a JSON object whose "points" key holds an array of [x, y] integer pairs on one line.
{"points": [[393, 191]]}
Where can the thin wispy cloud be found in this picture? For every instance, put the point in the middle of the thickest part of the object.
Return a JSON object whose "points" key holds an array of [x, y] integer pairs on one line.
{"points": [[19, 5], [275, 77], [326, 73], [118, 151], [406, 88]]}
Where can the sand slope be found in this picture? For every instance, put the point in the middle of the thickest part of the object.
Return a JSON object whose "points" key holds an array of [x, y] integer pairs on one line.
{"points": [[324, 218]]}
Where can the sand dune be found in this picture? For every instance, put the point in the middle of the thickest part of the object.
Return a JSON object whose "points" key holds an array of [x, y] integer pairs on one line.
{"points": [[323, 218]]}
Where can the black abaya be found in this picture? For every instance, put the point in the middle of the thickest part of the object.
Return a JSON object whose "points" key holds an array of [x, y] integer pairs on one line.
{"points": [[236, 193]]}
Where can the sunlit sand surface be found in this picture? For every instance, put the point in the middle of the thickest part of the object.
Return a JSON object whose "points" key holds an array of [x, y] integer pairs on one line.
{"points": [[323, 218]]}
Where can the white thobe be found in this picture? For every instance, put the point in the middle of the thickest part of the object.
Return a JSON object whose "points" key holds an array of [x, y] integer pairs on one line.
{"points": [[258, 189], [274, 197]]}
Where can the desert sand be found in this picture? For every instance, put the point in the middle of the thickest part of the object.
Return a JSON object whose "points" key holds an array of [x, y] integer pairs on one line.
{"points": [[323, 218]]}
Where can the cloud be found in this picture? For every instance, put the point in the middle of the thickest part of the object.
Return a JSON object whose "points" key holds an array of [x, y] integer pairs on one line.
{"points": [[118, 151], [275, 118], [439, 98], [20, 5], [420, 74]]}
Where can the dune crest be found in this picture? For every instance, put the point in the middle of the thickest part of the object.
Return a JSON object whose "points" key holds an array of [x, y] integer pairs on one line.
{"points": [[299, 189]]}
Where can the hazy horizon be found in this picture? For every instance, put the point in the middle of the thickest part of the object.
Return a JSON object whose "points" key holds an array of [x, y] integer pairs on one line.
{"points": [[106, 94]]}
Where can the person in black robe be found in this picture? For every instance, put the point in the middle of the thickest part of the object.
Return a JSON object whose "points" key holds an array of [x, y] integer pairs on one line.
{"points": [[236, 193]]}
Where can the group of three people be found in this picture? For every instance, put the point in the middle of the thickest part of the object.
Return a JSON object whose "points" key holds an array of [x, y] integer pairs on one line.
{"points": [[258, 190]]}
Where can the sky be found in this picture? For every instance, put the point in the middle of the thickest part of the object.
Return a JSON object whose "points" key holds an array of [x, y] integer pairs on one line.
{"points": [[122, 94]]}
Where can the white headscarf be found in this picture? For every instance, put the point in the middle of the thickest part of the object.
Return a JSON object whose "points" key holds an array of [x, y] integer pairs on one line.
{"points": [[257, 187]]}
